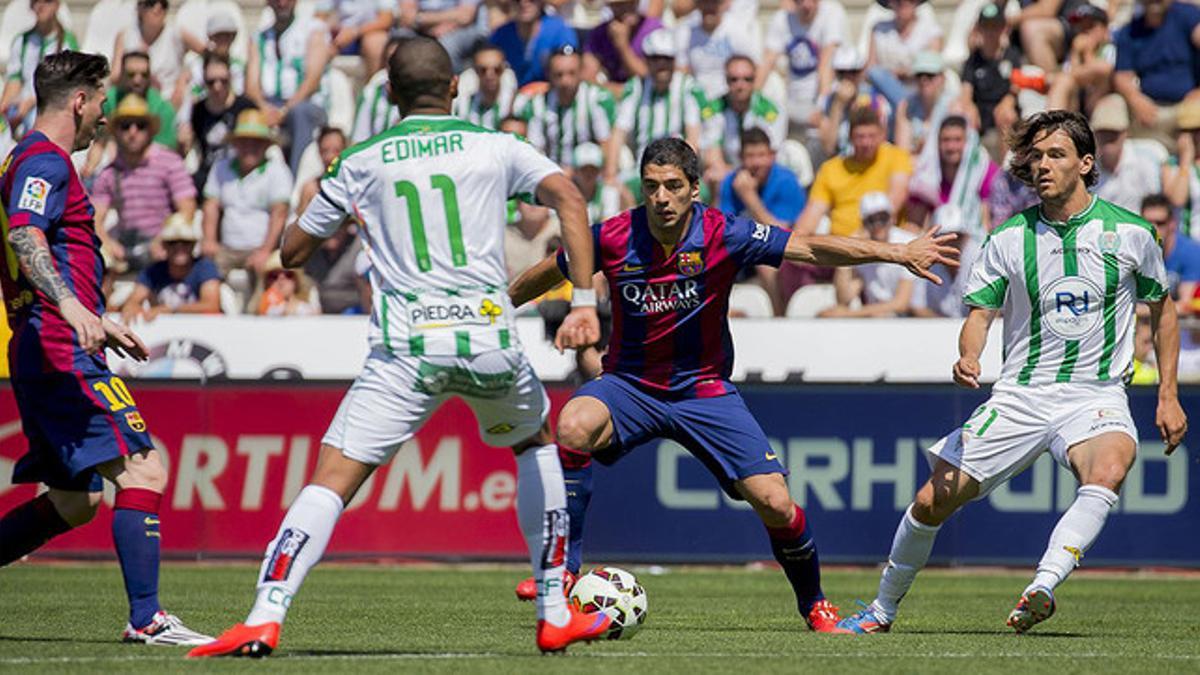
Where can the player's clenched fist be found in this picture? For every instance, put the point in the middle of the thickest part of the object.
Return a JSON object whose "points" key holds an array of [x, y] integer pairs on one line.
{"points": [[928, 250], [966, 372], [580, 329], [1171, 422]]}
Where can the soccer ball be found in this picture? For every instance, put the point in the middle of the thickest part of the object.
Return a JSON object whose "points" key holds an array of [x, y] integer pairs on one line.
{"points": [[615, 592]]}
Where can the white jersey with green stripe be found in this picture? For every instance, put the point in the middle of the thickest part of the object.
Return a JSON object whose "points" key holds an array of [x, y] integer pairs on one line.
{"points": [[374, 113], [647, 115], [1068, 292], [430, 197], [556, 128], [724, 128]]}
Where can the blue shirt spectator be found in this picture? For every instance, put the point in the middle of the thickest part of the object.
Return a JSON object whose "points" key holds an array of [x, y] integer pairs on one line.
{"points": [[760, 189], [1183, 262], [173, 292], [1160, 49], [528, 59]]}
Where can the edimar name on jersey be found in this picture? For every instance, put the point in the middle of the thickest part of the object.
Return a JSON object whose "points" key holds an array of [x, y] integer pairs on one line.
{"points": [[420, 146]]}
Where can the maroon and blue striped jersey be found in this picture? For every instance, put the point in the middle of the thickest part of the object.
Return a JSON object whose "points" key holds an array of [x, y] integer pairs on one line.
{"points": [[670, 331], [40, 188]]}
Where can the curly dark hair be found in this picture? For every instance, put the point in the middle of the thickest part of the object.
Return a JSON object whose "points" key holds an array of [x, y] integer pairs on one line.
{"points": [[1028, 132], [61, 74]]}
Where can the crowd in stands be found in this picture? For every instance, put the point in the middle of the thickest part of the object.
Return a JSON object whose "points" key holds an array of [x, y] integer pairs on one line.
{"points": [[217, 131]]}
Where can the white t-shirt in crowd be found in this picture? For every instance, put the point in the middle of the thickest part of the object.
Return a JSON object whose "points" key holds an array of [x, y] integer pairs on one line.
{"points": [[801, 44]]}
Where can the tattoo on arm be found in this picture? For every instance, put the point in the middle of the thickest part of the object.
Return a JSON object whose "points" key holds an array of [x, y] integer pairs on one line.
{"points": [[33, 253]]}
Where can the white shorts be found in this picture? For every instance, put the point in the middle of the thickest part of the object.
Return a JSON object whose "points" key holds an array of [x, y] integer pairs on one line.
{"points": [[394, 395], [1017, 424]]}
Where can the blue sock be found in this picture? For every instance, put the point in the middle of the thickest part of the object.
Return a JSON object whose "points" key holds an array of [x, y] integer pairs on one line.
{"points": [[579, 493], [796, 552], [136, 537]]}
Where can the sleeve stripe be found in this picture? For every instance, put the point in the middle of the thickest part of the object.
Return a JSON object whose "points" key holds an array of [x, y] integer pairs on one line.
{"points": [[321, 193], [990, 296]]}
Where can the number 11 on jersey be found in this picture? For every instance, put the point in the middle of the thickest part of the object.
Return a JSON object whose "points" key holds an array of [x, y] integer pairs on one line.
{"points": [[408, 191]]}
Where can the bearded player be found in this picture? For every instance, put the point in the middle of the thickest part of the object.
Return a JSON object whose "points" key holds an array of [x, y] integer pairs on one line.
{"points": [[81, 422]]}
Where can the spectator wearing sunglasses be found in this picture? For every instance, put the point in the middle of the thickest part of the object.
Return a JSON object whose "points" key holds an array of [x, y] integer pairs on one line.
{"points": [[492, 102], [530, 38], [214, 116], [285, 292], [739, 109], [144, 184], [166, 44], [183, 283], [136, 79]]}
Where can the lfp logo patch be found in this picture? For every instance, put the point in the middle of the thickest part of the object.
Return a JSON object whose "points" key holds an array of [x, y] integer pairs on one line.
{"points": [[690, 263], [1072, 307], [34, 195]]}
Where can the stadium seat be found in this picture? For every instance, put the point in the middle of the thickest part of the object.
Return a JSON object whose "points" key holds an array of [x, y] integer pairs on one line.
{"points": [[775, 89], [230, 302], [106, 19], [751, 301], [341, 100], [957, 48], [808, 300], [121, 291], [192, 16], [18, 18], [795, 156]]}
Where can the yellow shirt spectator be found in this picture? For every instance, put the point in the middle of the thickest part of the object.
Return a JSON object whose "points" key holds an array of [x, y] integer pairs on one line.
{"points": [[842, 181]]}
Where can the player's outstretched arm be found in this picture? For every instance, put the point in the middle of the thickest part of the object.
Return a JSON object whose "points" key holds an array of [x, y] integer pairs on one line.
{"points": [[581, 327], [33, 255], [535, 281], [917, 256], [971, 341], [1170, 418]]}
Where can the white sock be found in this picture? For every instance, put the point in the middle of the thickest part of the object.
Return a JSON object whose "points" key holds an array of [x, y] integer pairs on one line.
{"points": [[910, 552], [1074, 535], [295, 550], [542, 514]]}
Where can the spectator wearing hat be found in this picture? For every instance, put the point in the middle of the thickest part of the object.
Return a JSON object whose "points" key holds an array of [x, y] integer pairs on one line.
{"points": [[1158, 61], [957, 172], [987, 76], [183, 283], [667, 102], [1181, 175], [1127, 176], [144, 184], [931, 102], [874, 165], [886, 290], [766, 192], [708, 42], [571, 111], [616, 48], [135, 79], [529, 39], [895, 42], [603, 200], [359, 28], [152, 33], [284, 292], [246, 200], [222, 30], [1087, 74], [1181, 254], [807, 37], [285, 75], [850, 91], [214, 115], [493, 100], [741, 107], [932, 300], [18, 102], [457, 24], [373, 112]]}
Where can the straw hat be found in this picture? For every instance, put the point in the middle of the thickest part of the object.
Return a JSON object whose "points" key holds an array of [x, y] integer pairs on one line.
{"points": [[252, 124], [178, 228], [133, 107]]}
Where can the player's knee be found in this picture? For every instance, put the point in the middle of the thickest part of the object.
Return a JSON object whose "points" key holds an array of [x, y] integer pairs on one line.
{"points": [[933, 507], [1109, 475], [575, 432]]}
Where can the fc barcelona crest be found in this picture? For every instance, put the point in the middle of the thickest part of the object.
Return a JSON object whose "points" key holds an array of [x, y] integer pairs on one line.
{"points": [[135, 421], [690, 263]]}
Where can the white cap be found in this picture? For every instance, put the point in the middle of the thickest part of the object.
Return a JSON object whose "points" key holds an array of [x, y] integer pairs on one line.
{"points": [[588, 154], [874, 202], [847, 58], [221, 22], [178, 228], [949, 219], [660, 42]]}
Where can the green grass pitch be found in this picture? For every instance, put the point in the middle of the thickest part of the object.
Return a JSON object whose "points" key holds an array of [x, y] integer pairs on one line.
{"points": [[66, 618]]}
